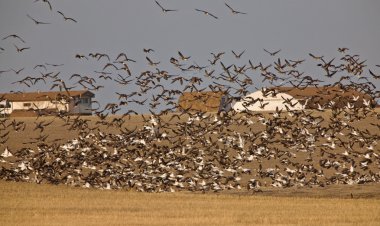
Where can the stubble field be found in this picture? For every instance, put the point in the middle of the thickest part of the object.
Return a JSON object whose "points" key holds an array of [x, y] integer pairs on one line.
{"points": [[31, 204]]}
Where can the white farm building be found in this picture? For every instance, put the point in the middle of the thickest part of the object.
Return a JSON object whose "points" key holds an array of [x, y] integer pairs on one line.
{"points": [[25, 104], [267, 101]]}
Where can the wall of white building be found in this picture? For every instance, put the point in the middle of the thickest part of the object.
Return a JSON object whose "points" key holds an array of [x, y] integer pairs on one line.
{"points": [[77, 106], [26, 105], [81, 106], [258, 102], [5, 107]]}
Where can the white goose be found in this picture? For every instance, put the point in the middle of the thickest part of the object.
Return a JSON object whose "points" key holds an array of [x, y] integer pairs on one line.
{"points": [[6, 153]]}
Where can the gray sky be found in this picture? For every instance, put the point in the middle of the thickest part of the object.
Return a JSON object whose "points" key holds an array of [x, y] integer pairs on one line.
{"points": [[297, 27]]}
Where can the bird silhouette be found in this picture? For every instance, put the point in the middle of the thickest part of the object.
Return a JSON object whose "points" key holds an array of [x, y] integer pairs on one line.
{"points": [[182, 56], [148, 50], [206, 13], [20, 49], [67, 18], [47, 2], [151, 63], [81, 56], [233, 11], [374, 75], [342, 50], [13, 36], [272, 53], [17, 71], [36, 21], [237, 56], [165, 10]]}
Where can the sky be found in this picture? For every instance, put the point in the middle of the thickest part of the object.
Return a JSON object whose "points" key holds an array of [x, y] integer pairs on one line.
{"points": [[297, 27]]}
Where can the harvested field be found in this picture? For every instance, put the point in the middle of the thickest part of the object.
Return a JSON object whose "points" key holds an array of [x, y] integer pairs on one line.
{"points": [[31, 204]]}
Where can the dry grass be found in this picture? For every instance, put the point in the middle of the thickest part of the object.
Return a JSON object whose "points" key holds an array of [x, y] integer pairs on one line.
{"points": [[31, 204]]}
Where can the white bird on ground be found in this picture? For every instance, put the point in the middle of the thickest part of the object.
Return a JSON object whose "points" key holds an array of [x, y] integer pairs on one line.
{"points": [[22, 166], [367, 103], [241, 142], [6, 153]]}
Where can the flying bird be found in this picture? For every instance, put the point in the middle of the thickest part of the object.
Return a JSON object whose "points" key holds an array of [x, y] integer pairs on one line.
{"points": [[17, 71], [14, 36], [148, 50], [21, 49], [67, 18], [374, 75], [46, 1], [234, 11], [182, 56], [206, 13], [54, 65], [126, 58], [98, 56], [79, 56], [315, 57], [272, 53], [342, 50], [4, 71], [126, 68], [40, 65], [151, 62], [110, 64], [165, 10], [238, 55], [36, 21]]}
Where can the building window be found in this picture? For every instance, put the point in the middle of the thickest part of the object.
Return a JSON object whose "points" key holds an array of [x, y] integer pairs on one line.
{"points": [[5, 104], [85, 100], [27, 104]]}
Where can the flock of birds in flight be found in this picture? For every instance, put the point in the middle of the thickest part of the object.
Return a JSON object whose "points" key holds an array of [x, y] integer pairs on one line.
{"points": [[200, 10], [164, 10], [178, 149]]}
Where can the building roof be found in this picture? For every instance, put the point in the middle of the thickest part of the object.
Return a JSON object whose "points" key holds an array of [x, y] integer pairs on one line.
{"points": [[201, 101], [300, 93], [44, 96]]}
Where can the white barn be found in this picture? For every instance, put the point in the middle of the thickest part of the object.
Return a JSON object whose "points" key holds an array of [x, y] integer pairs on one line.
{"points": [[267, 101], [72, 102]]}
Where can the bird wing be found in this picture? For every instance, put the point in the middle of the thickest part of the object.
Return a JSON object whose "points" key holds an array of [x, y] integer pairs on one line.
{"points": [[213, 15], [229, 7], [159, 5], [61, 13], [180, 54], [150, 61]]}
